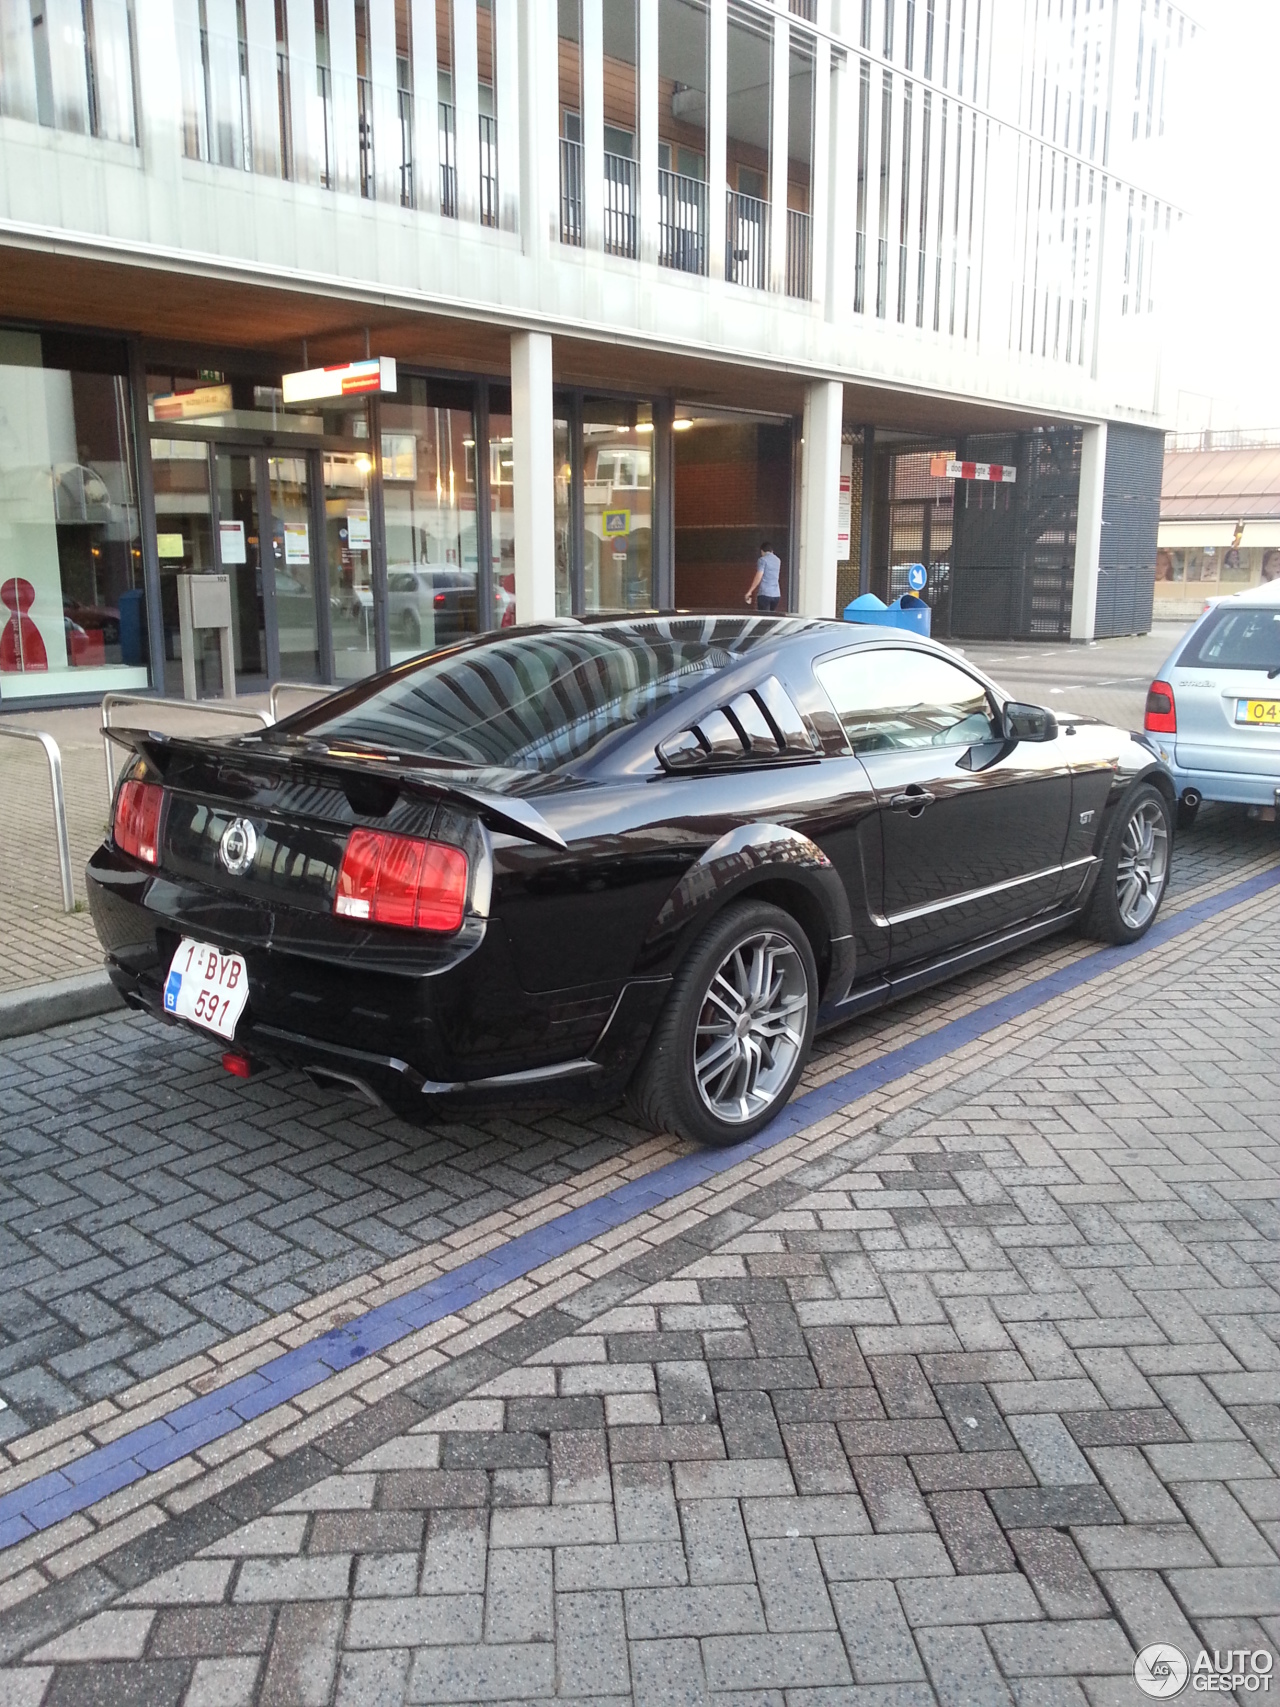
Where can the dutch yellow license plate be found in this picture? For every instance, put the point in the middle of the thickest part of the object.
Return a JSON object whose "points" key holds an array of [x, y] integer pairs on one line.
{"points": [[1261, 713]]}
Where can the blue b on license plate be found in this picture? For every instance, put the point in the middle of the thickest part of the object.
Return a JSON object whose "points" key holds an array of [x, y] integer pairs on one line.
{"points": [[207, 987]]}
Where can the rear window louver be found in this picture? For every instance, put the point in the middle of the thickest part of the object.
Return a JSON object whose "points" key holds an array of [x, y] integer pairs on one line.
{"points": [[754, 726]]}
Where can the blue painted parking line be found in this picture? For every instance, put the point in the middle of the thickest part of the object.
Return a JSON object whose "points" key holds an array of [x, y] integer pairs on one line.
{"points": [[47, 1499]]}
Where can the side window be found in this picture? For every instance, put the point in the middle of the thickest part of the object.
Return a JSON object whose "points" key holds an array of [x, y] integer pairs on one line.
{"points": [[897, 698]]}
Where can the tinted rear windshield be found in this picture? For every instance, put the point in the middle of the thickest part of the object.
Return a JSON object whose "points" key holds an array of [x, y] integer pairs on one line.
{"points": [[1241, 638], [536, 701]]}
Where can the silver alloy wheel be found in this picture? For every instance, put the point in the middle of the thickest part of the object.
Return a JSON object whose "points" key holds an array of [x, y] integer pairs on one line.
{"points": [[751, 1027], [1143, 866]]}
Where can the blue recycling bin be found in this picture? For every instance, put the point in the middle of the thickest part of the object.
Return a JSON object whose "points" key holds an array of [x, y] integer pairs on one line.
{"points": [[908, 612]]}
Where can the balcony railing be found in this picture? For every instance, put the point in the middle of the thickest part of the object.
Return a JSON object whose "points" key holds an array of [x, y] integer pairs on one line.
{"points": [[746, 241], [448, 162], [799, 254], [570, 192], [621, 205], [488, 170], [682, 222]]}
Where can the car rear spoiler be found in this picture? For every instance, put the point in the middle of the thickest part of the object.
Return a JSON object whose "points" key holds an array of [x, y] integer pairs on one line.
{"points": [[509, 814]]}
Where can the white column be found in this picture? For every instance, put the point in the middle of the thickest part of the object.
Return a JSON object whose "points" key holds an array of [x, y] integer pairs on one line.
{"points": [[306, 121], [426, 106], [466, 107], [592, 48], [345, 164], [820, 172], [539, 129], [386, 101], [17, 61], [264, 99], [717, 133], [839, 194], [1084, 591], [647, 98], [779, 133], [815, 593], [506, 101], [160, 90], [533, 475]]}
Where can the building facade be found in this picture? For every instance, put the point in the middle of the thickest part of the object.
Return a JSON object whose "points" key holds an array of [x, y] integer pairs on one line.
{"points": [[659, 280], [1219, 518]]}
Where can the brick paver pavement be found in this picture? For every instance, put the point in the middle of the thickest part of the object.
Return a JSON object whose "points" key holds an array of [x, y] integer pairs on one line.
{"points": [[960, 1396]]}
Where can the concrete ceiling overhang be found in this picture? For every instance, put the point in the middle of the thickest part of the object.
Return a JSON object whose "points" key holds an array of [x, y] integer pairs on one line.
{"points": [[194, 316]]}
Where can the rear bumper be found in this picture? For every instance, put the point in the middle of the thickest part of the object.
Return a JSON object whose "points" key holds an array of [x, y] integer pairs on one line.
{"points": [[1241, 788], [451, 1022]]}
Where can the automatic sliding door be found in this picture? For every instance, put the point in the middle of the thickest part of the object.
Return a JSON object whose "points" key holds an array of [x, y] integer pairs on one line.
{"points": [[294, 564], [240, 558]]}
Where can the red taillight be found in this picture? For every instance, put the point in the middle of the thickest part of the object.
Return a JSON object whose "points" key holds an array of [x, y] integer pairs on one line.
{"points": [[1162, 714], [438, 600], [136, 827], [402, 880]]}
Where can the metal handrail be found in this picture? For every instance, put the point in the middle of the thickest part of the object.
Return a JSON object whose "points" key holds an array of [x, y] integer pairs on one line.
{"points": [[278, 688], [54, 756], [201, 706]]}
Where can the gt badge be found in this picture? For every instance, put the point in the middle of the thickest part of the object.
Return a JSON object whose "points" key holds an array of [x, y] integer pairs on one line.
{"points": [[238, 845], [1085, 817]]}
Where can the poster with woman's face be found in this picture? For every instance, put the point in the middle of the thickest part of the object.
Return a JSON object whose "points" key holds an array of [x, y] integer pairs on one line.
{"points": [[1271, 565]]}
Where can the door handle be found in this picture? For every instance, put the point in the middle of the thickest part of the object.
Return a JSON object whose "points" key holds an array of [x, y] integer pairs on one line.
{"points": [[914, 800]]}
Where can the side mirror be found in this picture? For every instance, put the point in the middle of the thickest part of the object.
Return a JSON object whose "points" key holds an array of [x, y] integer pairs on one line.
{"points": [[1029, 723]]}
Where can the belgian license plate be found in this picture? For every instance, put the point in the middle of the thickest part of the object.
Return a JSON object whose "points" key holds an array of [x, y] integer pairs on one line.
{"points": [[1261, 713], [207, 987]]}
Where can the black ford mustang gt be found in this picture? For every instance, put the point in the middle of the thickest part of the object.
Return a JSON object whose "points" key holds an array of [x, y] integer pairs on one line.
{"points": [[648, 856]]}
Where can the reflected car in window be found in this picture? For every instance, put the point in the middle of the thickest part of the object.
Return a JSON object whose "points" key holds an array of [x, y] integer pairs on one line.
{"points": [[646, 857]]}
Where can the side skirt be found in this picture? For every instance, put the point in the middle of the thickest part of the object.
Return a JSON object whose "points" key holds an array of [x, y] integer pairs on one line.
{"points": [[884, 990]]}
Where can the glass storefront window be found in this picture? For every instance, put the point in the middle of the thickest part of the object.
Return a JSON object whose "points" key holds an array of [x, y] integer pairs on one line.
{"points": [[617, 490], [564, 518], [502, 507], [72, 612], [429, 501], [294, 567]]}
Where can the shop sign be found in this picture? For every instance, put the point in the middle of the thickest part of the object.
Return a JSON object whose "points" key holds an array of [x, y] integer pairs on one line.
{"points": [[947, 468], [170, 545], [617, 524], [348, 379], [297, 543], [193, 405], [359, 537], [231, 544]]}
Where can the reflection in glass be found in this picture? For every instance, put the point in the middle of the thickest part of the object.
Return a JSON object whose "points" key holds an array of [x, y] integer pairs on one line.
{"points": [[429, 499], [184, 540], [617, 452], [293, 564], [240, 558], [70, 557], [502, 511]]}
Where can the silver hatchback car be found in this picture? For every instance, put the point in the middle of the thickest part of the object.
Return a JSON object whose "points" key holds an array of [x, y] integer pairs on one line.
{"points": [[1214, 709]]}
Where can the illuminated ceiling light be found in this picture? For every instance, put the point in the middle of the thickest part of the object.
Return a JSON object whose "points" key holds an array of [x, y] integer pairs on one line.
{"points": [[644, 426], [681, 424], [364, 464]]}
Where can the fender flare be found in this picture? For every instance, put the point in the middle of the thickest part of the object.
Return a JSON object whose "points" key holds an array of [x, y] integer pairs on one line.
{"points": [[744, 860]]}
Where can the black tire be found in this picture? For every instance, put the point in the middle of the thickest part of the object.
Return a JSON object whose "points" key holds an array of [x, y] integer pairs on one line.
{"points": [[1187, 810], [1107, 917], [410, 628], [664, 1094]]}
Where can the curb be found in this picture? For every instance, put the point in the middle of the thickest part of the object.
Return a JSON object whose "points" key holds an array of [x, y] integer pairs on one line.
{"points": [[39, 1006]]}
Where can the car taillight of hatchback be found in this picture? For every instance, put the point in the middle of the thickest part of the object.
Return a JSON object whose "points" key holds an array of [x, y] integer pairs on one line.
{"points": [[135, 828], [1162, 714], [401, 880]]}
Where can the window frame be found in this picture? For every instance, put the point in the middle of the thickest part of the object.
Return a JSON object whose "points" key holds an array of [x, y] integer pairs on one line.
{"points": [[995, 706]]}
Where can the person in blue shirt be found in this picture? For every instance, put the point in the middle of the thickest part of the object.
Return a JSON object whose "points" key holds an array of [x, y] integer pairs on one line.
{"points": [[768, 571]]}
